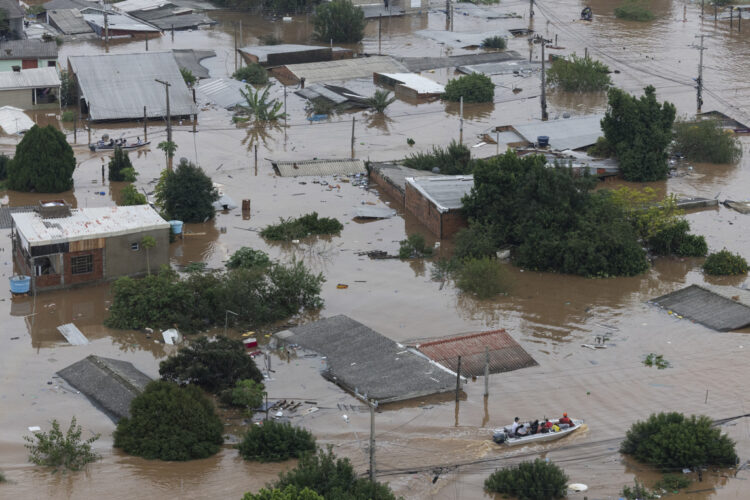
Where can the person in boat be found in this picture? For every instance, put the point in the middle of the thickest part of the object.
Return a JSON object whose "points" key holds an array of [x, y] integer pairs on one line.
{"points": [[522, 431], [514, 427], [138, 141], [112, 142], [565, 421], [535, 426], [545, 426]]}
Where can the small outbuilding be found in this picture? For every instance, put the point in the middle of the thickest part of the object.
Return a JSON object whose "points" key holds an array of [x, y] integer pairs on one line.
{"points": [[37, 88], [60, 247], [68, 21], [287, 53], [436, 202]]}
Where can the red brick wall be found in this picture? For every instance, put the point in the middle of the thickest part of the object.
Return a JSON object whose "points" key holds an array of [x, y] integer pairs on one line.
{"points": [[453, 222], [424, 211], [95, 275], [47, 280], [389, 188]]}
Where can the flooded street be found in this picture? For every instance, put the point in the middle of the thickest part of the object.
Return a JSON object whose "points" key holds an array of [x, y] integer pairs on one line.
{"points": [[550, 315]]}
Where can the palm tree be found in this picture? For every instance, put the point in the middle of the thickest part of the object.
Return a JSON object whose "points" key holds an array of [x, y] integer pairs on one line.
{"points": [[169, 149], [147, 243], [381, 100], [259, 107]]}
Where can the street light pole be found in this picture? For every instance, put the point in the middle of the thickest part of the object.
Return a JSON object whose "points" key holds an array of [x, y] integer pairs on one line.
{"points": [[227, 312]]}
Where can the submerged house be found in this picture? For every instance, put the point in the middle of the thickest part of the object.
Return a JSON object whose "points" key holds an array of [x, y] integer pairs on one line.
{"points": [[436, 202], [27, 54], [60, 247], [36, 88]]}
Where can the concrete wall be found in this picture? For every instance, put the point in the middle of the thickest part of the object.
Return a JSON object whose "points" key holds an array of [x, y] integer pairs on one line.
{"points": [[23, 98], [442, 225], [121, 260], [7, 64]]}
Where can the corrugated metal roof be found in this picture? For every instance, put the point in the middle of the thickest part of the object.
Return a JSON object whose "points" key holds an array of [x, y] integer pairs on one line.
{"points": [[570, 133], [425, 63], [502, 67], [132, 5], [29, 79], [457, 39], [444, 191], [363, 361], [224, 92], [370, 212], [87, 223], [262, 51], [28, 49], [345, 69], [14, 120], [505, 353], [69, 4], [419, 83], [709, 307], [118, 86], [319, 167], [72, 334], [69, 21], [118, 22], [181, 22]]}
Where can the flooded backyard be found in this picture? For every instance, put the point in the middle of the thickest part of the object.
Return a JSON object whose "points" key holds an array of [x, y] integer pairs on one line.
{"points": [[430, 447]]}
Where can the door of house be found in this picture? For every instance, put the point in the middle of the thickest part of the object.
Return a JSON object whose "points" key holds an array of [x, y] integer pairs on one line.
{"points": [[29, 64]]}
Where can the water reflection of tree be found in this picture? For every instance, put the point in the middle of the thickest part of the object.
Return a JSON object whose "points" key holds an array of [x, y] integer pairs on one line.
{"points": [[490, 312], [316, 252], [418, 266], [472, 110], [260, 134], [379, 121], [133, 341]]}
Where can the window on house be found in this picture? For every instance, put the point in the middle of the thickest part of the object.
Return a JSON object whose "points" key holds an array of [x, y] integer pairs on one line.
{"points": [[51, 64], [82, 264], [134, 246]]}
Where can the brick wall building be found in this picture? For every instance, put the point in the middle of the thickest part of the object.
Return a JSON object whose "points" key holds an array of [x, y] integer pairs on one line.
{"points": [[436, 202]]}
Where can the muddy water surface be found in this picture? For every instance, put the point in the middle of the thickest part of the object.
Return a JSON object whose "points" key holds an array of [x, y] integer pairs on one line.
{"points": [[549, 314]]}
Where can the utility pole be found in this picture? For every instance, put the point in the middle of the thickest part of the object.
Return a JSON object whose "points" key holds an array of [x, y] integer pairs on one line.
{"points": [[531, 9], [106, 29], [352, 137], [75, 128], [461, 121], [380, 31], [373, 405], [447, 15], [703, 5], [146, 42], [458, 378], [543, 42], [169, 122], [235, 47], [486, 372], [145, 125], [699, 81]]}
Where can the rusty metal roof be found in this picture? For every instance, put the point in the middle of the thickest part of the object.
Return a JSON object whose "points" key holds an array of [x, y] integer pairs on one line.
{"points": [[505, 353]]}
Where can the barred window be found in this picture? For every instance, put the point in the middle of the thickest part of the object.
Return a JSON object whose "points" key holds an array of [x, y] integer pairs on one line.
{"points": [[82, 264]]}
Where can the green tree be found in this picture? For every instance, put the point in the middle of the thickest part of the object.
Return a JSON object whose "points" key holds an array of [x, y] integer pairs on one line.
{"points": [[68, 89], [44, 162], [148, 242], [4, 161], [253, 73], [259, 107], [169, 148], [332, 478], [639, 130], [301, 227], [673, 441], [706, 141], [725, 263], [494, 42], [475, 87], [414, 247], [339, 21], [119, 165], [61, 451], [673, 239], [453, 160], [129, 195], [483, 277], [246, 394], [213, 365], [188, 76], [275, 442], [537, 480], [288, 493], [248, 258], [169, 422], [578, 74], [380, 100], [187, 194]]}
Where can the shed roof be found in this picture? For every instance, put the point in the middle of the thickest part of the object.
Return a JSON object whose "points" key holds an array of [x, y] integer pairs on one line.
{"points": [[363, 361], [27, 49], [33, 78], [12, 9], [262, 51], [418, 83], [319, 167], [505, 354], [719, 308], [396, 174], [119, 22], [345, 69], [118, 86], [444, 191], [87, 223], [501, 67], [426, 63], [191, 59], [567, 133], [225, 92], [69, 21], [109, 383]]}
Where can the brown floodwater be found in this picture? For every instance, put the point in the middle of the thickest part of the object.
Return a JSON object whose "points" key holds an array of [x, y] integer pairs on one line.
{"points": [[551, 315]]}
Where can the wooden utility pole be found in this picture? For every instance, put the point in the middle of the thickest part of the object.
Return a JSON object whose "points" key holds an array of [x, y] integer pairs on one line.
{"points": [[173, 33], [486, 372], [699, 81], [380, 32], [169, 122], [75, 128], [145, 126], [543, 42], [461, 120], [235, 47], [256, 160], [373, 405], [353, 136], [89, 127], [106, 30], [458, 378], [703, 6], [531, 8], [146, 42]]}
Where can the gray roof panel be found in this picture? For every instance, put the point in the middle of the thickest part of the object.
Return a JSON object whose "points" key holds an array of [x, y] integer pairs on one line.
{"points": [[570, 133], [445, 192], [28, 49]]}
